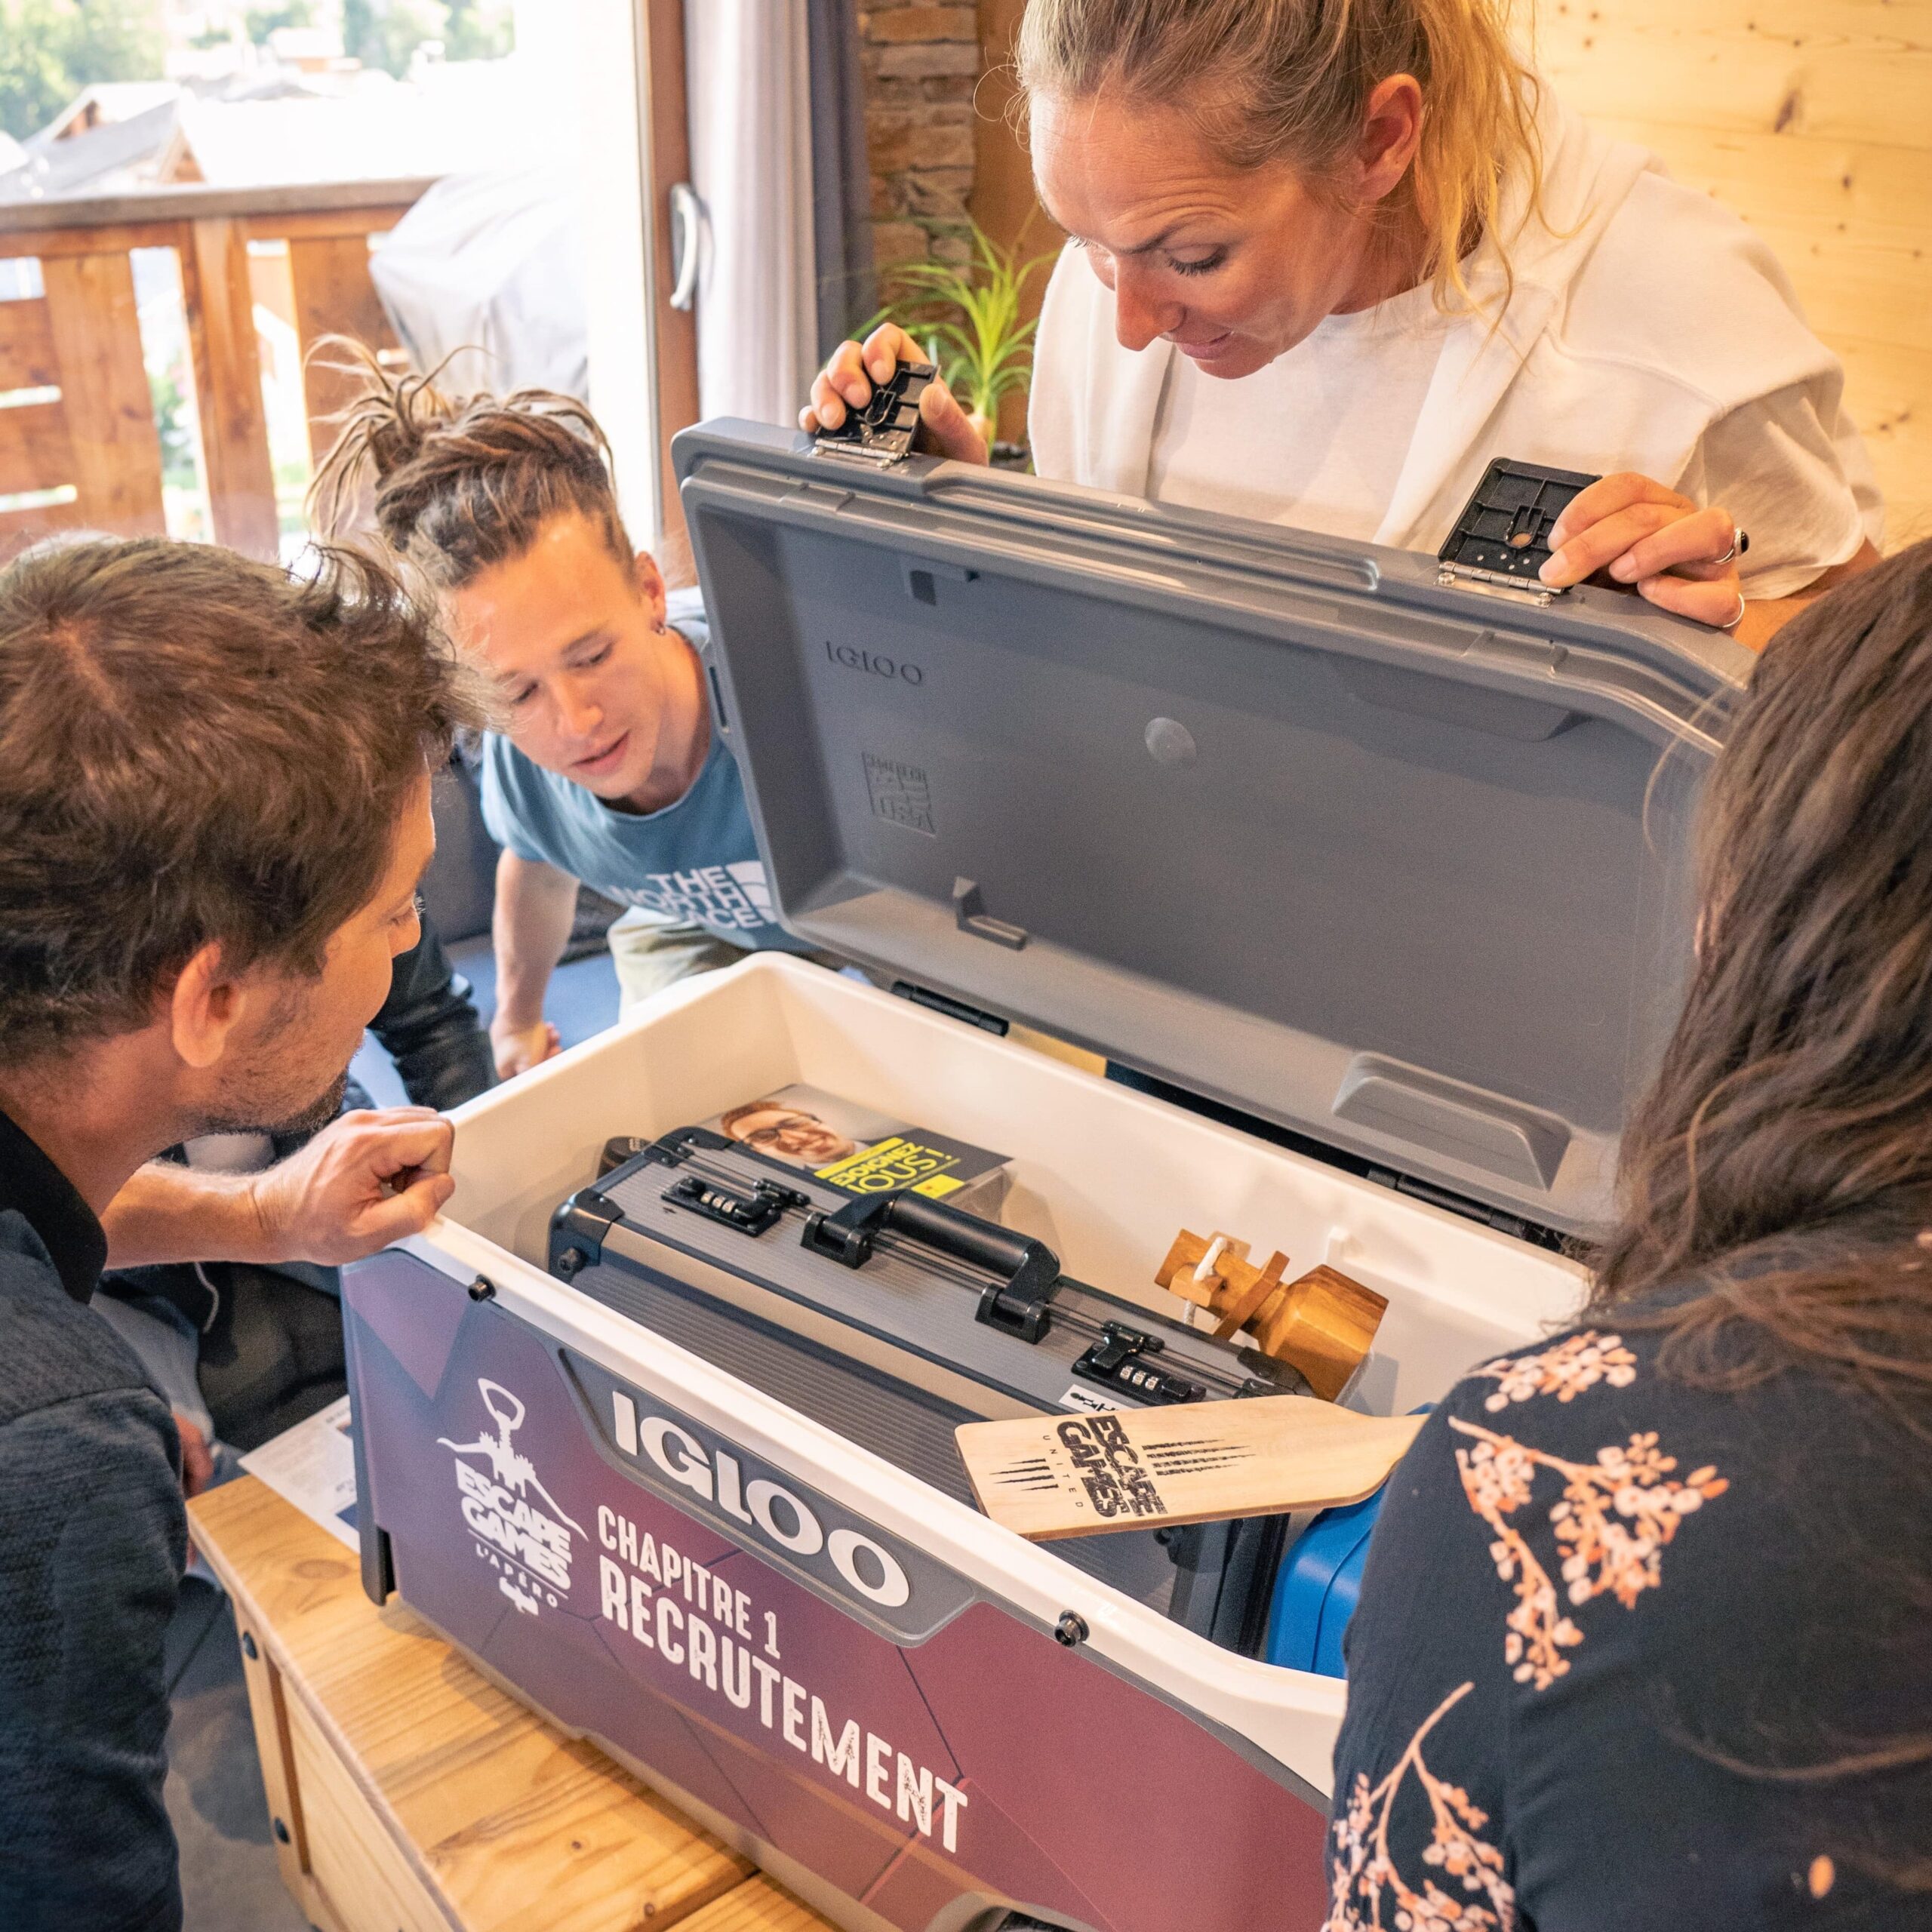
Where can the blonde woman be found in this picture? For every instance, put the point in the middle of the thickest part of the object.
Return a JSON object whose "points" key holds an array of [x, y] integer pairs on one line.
{"points": [[1327, 258]]}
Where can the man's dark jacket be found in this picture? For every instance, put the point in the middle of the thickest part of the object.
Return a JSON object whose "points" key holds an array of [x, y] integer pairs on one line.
{"points": [[428, 1026], [93, 1536], [92, 1540]]}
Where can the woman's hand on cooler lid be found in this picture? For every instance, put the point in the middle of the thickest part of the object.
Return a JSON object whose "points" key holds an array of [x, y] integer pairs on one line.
{"points": [[846, 382], [1683, 558]]}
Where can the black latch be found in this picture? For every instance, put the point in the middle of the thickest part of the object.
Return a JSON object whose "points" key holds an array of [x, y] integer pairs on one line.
{"points": [[1503, 532], [881, 432], [1118, 1360], [751, 1210]]}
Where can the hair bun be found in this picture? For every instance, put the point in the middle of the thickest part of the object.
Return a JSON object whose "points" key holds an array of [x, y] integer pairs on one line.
{"points": [[457, 483], [388, 423]]}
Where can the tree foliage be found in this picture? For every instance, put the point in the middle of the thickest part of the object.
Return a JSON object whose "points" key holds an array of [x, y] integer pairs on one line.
{"points": [[971, 319], [258, 22], [477, 30], [50, 49], [386, 33]]}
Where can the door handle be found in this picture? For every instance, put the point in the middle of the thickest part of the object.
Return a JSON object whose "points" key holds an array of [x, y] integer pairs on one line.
{"points": [[687, 213]]}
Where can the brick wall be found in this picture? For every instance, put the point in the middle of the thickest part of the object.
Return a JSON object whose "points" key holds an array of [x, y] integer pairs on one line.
{"points": [[921, 64]]}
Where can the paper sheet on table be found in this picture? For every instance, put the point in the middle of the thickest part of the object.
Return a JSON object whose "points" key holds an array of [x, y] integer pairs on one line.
{"points": [[313, 1466]]}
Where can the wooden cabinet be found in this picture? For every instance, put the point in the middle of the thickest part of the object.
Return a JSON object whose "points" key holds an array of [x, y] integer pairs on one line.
{"points": [[408, 1793]]}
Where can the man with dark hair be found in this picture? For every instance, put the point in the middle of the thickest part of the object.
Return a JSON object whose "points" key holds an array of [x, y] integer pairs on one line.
{"points": [[215, 811]]}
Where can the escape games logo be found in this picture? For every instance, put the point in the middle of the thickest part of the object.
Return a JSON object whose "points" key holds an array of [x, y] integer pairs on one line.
{"points": [[529, 1548]]}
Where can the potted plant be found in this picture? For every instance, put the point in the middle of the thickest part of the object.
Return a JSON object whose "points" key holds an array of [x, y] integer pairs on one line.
{"points": [[968, 316]]}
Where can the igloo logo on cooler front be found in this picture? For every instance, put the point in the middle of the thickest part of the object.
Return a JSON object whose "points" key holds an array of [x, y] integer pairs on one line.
{"points": [[528, 1546]]}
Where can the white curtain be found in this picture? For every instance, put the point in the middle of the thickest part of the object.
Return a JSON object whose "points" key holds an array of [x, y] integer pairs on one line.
{"points": [[749, 91]]}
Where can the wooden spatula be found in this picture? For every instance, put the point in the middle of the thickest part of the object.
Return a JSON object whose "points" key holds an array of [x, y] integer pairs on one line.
{"points": [[1051, 1476]]}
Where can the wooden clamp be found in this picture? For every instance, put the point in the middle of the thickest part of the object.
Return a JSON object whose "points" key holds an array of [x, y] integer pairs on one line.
{"points": [[1322, 1323]]}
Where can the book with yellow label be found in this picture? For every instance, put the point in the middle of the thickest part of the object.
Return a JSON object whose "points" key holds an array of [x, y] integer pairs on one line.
{"points": [[862, 1152]]}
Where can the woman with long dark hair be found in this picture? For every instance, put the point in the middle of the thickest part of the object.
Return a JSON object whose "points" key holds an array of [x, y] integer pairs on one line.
{"points": [[1645, 1639]]}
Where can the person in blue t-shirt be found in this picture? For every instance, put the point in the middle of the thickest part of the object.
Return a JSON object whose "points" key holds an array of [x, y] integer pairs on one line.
{"points": [[607, 771]]}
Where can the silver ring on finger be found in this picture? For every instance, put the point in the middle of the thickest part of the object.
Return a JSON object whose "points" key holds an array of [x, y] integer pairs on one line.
{"points": [[1732, 623], [1741, 542]]}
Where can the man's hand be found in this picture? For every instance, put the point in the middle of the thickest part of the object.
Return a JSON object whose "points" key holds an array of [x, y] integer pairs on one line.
{"points": [[364, 1181], [535, 904], [197, 1460], [519, 1048]]}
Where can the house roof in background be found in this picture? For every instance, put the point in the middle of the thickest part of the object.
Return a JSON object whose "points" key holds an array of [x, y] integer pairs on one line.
{"points": [[105, 101], [457, 117], [108, 159], [274, 128]]}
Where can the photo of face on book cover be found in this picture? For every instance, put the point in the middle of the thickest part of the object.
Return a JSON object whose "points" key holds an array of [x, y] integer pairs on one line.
{"points": [[864, 1152]]}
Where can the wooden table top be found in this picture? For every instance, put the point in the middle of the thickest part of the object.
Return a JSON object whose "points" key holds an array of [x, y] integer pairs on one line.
{"points": [[507, 1821]]}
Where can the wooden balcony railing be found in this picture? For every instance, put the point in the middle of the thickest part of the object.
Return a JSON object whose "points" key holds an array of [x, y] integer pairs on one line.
{"points": [[99, 436]]}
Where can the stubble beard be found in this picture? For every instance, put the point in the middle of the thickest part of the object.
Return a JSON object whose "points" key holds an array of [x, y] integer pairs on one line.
{"points": [[303, 1121]]}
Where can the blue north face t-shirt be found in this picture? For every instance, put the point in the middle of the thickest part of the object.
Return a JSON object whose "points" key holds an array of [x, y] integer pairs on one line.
{"points": [[696, 862]]}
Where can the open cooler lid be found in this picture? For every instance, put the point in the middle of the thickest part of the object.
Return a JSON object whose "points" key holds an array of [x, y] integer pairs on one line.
{"points": [[1277, 818]]}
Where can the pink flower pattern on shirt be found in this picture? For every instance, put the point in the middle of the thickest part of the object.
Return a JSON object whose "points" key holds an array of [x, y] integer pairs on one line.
{"points": [[1364, 1874], [1611, 1521], [1610, 1524], [1575, 1364]]}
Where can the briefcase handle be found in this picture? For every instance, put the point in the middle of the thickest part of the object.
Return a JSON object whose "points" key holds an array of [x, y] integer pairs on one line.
{"points": [[1027, 1271]]}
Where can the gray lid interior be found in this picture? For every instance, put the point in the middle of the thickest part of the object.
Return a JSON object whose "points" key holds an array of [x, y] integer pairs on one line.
{"points": [[1277, 818]]}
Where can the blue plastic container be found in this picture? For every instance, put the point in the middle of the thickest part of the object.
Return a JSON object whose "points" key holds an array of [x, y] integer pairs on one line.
{"points": [[1316, 1590]]}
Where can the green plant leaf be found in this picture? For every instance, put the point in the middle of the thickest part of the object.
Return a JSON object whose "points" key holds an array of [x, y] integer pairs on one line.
{"points": [[969, 316]]}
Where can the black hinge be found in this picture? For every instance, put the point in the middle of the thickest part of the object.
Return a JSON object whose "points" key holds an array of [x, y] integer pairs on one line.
{"points": [[1018, 1309], [846, 1234], [953, 1009], [1515, 1226]]}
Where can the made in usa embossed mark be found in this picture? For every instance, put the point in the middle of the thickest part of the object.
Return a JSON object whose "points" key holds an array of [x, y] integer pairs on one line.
{"points": [[901, 794]]}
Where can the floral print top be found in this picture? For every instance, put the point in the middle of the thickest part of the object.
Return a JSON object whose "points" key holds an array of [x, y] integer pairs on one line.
{"points": [[1609, 1623]]}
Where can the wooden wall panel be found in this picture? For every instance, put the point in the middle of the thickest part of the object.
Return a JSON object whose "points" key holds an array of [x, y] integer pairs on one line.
{"points": [[1854, 70], [1812, 119]]}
